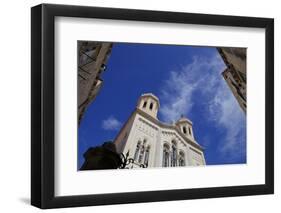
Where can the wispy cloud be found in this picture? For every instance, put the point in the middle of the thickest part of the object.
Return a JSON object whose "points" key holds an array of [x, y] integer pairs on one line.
{"points": [[200, 83], [111, 123], [177, 94], [226, 113]]}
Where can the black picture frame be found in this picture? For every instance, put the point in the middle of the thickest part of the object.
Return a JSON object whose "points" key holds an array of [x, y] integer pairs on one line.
{"points": [[43, 102]]}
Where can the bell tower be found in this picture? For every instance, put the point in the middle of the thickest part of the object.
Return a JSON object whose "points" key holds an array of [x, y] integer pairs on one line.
{"points": [[185, 126], [149, 103]]}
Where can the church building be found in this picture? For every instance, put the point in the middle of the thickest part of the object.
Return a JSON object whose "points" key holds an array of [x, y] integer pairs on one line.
{"points": [[152, 143]]}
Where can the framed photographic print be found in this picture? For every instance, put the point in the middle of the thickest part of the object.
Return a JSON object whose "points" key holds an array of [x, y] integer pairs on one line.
{"points": [[139, 106]]}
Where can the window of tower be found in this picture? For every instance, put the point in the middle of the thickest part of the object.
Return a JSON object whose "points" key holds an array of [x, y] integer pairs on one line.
{"points": [[189, 130], [151, 106], [184, 130], [144, 104]]}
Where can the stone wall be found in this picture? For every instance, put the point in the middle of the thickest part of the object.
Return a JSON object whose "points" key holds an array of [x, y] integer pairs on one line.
{"points": [[235, 74], [92, 59]]}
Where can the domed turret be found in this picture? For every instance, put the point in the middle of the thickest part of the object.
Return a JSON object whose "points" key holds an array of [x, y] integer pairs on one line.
{"points": [[185, 126], [149, 103]]}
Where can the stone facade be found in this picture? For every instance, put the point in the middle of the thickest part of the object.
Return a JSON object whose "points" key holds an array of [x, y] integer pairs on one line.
{"points": [[92, 59], [153, 143], [235, 73]]}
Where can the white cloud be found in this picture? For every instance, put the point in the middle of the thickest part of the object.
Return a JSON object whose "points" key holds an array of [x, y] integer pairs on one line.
{"points": [[201, 82], [111, 123], [227, 114], [178, 90]]}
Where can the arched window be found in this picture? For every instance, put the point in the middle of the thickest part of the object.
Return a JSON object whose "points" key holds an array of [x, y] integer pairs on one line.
{"points": [[174, 155], [165, 161], [141, 154], [137, 151], [181, 159], [144, 104], [184, 130], [146, 155], [144, 141], [151, 106], [189, 129]]}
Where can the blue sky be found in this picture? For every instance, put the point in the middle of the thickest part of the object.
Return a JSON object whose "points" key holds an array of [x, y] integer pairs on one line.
{"points": [[186, 79]]}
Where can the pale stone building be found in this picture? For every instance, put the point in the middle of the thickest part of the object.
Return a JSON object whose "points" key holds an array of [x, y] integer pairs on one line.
{"points": [[235, 73], [92, 59], [152, 143]]}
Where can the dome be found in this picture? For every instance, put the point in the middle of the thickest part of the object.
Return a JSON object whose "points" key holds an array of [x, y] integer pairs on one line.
{"points": [[184, 120]]}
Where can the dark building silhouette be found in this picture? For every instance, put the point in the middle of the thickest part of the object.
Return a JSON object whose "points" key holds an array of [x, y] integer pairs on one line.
{"points": [[102, 157]]}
